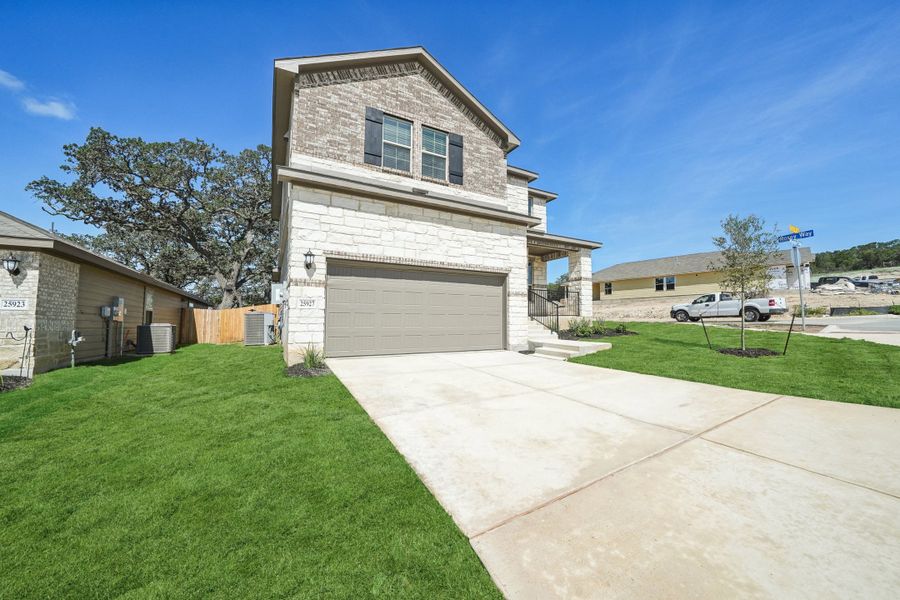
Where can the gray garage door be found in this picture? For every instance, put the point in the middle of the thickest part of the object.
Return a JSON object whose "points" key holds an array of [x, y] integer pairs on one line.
{"points": [[381, 309]]}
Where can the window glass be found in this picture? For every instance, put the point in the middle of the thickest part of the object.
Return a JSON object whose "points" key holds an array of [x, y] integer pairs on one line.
{"points": [[434, 153], [530, 206], [725, 296], [607, 288], [397, 143], [665, 283]]}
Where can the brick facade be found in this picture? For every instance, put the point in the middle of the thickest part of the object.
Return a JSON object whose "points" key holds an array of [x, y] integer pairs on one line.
{"points": [[55, 312], [328, 121]]}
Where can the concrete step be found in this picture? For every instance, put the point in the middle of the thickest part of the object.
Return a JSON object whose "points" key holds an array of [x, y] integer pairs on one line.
{"points": [[564, 349], [553, 353]]}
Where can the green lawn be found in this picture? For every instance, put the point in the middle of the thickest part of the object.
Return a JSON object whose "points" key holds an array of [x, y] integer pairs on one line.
{"points": [[208, 474], [830, 369]]}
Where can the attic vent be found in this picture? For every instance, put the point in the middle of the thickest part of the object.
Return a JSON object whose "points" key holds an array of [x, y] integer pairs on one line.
{"points": [[156, 338], [259, 329]]}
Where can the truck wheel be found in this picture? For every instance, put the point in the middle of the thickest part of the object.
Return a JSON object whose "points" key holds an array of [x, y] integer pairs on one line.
{"points": [[681, 316], [764, 318], [694, 319], [751, 314]]}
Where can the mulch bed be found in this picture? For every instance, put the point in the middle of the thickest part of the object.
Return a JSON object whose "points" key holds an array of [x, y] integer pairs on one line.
{"points": [[749, 352], [568, 335], [12, 382], [300, 370]]}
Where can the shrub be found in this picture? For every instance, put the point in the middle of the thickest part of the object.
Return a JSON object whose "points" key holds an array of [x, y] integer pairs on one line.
{"points": [[861, 312], [581, 327], [620, 328], [812, 311], [313, 358], [597, 326], [894, 309]]}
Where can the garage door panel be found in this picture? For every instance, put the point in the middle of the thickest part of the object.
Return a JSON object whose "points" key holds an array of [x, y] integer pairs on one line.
{"points": [[389, 310]]}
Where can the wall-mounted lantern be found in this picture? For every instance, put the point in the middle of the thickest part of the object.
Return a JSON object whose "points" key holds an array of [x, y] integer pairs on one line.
{"points": [[309, 256], [11, 264]]}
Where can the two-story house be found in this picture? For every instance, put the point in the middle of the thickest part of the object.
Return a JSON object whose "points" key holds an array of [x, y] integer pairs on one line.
{"points": [[403, 227]]}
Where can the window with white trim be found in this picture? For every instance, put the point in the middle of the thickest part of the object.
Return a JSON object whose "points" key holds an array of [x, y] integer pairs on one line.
{"points": [[396, 143], [434, 153], [665, 284]]}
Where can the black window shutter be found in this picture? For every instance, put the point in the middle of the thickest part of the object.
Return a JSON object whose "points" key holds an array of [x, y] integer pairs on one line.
{"points": [[456, 158], [374, 125]]}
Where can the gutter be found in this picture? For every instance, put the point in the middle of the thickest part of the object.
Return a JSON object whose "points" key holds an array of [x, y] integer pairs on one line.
{"points": [[400, 194]]}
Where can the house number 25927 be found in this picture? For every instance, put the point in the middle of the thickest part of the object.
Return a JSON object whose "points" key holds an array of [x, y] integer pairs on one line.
{"points": [[307, 302]]}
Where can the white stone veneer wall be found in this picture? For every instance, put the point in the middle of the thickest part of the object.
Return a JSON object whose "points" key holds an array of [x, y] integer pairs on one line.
{"points": [[354, 228], [580, 279], [539, 272], [14, 348]]}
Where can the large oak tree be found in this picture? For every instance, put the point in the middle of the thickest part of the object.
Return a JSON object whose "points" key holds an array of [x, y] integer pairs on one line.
{"points": [[186, 212]]}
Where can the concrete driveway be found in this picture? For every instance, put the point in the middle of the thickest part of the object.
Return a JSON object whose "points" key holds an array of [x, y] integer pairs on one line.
{"points": [[882, 329], [579, 482]]}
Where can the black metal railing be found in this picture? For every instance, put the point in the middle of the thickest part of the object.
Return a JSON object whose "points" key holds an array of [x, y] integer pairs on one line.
{"points": [[569, 300], [542, 309]]}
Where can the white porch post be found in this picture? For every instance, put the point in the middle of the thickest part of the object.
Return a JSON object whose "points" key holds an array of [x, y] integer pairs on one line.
{"points": [[580, 275]]}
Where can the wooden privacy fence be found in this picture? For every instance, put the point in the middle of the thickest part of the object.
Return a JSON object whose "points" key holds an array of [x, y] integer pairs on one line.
{"points": [[207, 326]]}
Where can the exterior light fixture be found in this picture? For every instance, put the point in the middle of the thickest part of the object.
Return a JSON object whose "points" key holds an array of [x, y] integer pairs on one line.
{"points": [[309, 256], [11, 264]]}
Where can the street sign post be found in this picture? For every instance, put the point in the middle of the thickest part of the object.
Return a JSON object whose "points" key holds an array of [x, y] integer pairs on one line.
{"points": [[794, 237], [790, 237]]}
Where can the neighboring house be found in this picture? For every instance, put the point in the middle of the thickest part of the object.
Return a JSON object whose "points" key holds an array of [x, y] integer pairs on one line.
{"points": [[403, 228], [686, 275], [58, 287]]}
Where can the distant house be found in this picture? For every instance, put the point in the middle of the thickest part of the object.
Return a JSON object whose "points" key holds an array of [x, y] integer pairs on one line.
{"points": [[686, 275], [50, 287]]}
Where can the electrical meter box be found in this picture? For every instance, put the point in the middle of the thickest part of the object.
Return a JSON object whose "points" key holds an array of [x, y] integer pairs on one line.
{"points": [[106, 311], [118, 310]]}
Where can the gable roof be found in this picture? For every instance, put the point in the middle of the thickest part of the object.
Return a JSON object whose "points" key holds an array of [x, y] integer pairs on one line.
{"points": [[685, 263], [329, 62], [286, 69], [15, 232]]}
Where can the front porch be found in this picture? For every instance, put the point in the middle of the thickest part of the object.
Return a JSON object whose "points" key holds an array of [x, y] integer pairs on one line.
{"points": [[548, 304]]}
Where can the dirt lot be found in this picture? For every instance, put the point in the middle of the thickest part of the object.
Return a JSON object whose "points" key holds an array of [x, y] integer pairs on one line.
{"points": [[653, 309]]}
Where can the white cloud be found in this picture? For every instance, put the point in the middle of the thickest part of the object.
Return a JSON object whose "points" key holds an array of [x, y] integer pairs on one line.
{"points": [[49, 108], [11, 82]]}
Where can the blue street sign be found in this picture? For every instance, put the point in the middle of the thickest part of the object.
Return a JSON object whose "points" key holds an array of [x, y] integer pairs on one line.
{"points": [[796, 236]]}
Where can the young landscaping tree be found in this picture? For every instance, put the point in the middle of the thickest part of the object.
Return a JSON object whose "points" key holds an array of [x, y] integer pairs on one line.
{"points": [[184, 211], [747, 249]]}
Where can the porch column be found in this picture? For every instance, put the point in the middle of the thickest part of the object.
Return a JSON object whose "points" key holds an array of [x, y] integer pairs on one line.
{"points": [[580, 275]]}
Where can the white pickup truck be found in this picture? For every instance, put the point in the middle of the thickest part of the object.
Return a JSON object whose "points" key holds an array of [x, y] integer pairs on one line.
{"points": [[725, 304]]}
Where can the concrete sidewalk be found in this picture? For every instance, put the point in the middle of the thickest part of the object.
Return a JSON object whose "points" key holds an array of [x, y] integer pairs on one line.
{"points": [[882, 329], [580, 482]]}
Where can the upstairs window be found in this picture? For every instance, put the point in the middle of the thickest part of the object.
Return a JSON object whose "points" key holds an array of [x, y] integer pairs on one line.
{"points": [[665, 283], [530, 206], [397, 143], [434, 154], [607, 288]]}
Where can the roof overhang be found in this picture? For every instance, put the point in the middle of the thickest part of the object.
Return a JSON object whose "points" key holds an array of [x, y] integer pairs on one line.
{"points": [[542, 194], [520, 172], [286, 69], [550, 246], [399, 193], [71, 251]]}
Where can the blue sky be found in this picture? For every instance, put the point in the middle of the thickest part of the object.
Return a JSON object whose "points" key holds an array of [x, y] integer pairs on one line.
{"points": [[651, 120]]}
